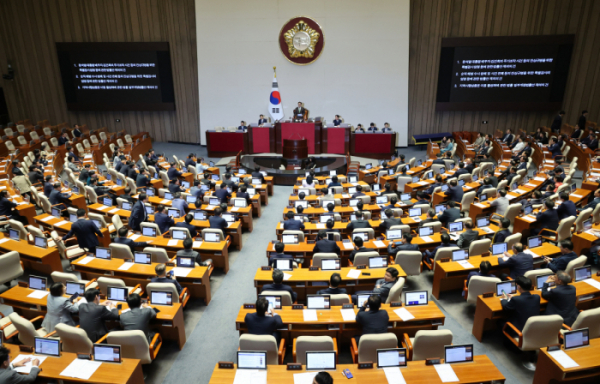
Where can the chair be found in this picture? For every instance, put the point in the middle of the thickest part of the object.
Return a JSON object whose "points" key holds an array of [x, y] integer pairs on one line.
{"points": [[212, 230], [11, 267], [286, 298], [182, 297], [466, 177], [511, 213], [479, 285], [590, 319], [479, 247], [467, 200], [74, 340], [339, 299], [120, 251], [442, 253], [14, 224], [396, 291], [266, 343], [116, 220], [437, 226], [427, 344], [583, 216], [402, 181], [410, 262], [369, 231], [319, 257], [131, 185], [159, 255], [63, 277], [578, 262], [100, 218], [436, 168], [303, 344], [533, 274], [512, 240], [91, 194], [294, 232], [369, 344], [105, 282], [67, 253], [151, 225], [538, 332], [27, 332], [362, 258], [563, 231], [134, 345]]}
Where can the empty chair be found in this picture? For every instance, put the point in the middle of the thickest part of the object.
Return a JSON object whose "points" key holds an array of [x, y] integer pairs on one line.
{"points": [[120, 251], [319, 257], [563, 231], [441, 253], [590, 319], [266, 343], [286, 298], [105, 282], [369, 344], [74, 340], [437, 226], [63, 277], [303, 344], [159, 255], [410, 262], [10, 267], [427, 344], [467, 200], [479, 247], [339, 299], [176, 297], [401, 182], [512, 240], [577, 263], [134, 345], [479, 285], [538, 332], [116, 220], [300, 234], [27, 332], [67, 253], [396, 291]]}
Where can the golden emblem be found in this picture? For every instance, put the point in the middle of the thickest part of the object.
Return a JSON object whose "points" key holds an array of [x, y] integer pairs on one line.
{"points": [[301, 40]]}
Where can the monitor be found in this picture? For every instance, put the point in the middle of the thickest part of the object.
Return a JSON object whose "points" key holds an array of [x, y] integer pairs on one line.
{"points": [[117, 294], [352, 179], [429, 175], [368, 166], [475, 178], [353, 202], [541, 279], [509, 287], [72, 217], [107, 353], [142, 258], [416, 298], [299, 218], [352, 190], [168, 196], [583, 273], [149, 231], [256, 181], [577, 338], [534, 242], [318, 301], [325, 218], [283, 264], [107, 201], [55, 212], [289, 239], [330, 264], [460, 254], [390, 171], [173, 212], [120, 182], [425, 231], [186, 261], [440, 208], [302, 203], [415, 179], [190, 199], [274, 301], [362, 298], [37, 282], [461, 183], [414, 212], [103, 253], [73, 288], [324, 202], [499, 248], [199, 215], [378, 262], [375, 187], [444, 187], [75, 189], [442, 170], [483, 222], [212, 237], [352, 217], [457, 226], [179, 234], [241, 171], [211, 164], [251, 360], [381, 199], [14, 234], [418, 163], [41, 242], [49, 347], [204, 188], [214, 201], [161, 298], [392, 234], [587, 225], [126, 206], [149, 192], [482, 197], [240, 203], [527, 209], [321, 360], [405, 197], [393, 357], [458, 353]]}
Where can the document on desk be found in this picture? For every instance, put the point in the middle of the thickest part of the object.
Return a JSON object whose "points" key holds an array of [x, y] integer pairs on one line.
{"points": [[576, 196], [2, 241], [446, 373], [345, 196], [102, 208], [61, 223], [563, 359], [114, 210], [81, 369], [135, 237], [196, 244], [394, 375], [427, 239], [379, 244], [404, 314], [181, 272], [209, 207], [519, 191], [465, 264], [422, 183], [38, 294], [286, 276], [346, 245], [235, 209], [125, 266], [593, 283], [320, 226], [86, 260], [539, 178], [48, 218], [304, 378], [353, 274], [480, 205], [164, 201], [310, 314], [348, 314], [27, 367], [530, 252], [528, 218], [280, 225], [172, 243]]}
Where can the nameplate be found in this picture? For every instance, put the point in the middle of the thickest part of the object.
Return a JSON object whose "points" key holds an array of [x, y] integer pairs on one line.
{"points": [[363, 266], [310, 241], [396, 304], [433, 361], [488, 294], [265, 268], [84, 356], [170, 264], [554, 347], [485, 254], [249, 306], [312, 268], [297, 306], [23, 284], [446, 260], [348, 306], [598, 273], [225, 364], [294, 367], [26, 348], [365, 365], [366, 273]]}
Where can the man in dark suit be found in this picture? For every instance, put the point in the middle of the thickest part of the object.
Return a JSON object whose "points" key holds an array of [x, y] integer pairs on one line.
{"points": [[430, 218], [143, 180], [518, 263], [511, 176], [582, 119], [85, 231], [84, 175], [508, 137], [187, 223], [139, 318], [523, 163], [222, 193], [299, 112], [100, 191], [522, 306], [64, 139], [122, 239], [291, 224], [173, 173], [389, 221], [92, 315], [164, 221], [554, 148], [383, 286], [455, 192], [546, 218], [132, 172], [450, 215], [429, 255], [487, 183], [439, 181], [461, 170], [439, 160], [566, 208], [257, 175], [8, 208], [262, 120], [162, 277], [174, 186], [216, 221], [592, 204], [504, 232], [557, 122], [124, 170], [561, 299], [404, 244], [566, 255], [358, 192], [190, 161], [576, 134], [138, 213], [35, 175], [372, 321], [264, 321], [593, 142], [77, 131], [358, 223], [372, 128], [48, 186], [334, 282], [358, 247], [278, 286], [324, 245], [386, 129], [337, 121], [279, 248]]}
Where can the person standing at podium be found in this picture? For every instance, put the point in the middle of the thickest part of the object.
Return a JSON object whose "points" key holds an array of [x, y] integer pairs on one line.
{"points": [[242, 127], [299, 113], [386, 128], [337, 121], [372, 128], [261, 120]]}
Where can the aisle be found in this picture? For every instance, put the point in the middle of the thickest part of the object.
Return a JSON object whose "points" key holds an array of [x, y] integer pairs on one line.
{"points": [[215, 337]]}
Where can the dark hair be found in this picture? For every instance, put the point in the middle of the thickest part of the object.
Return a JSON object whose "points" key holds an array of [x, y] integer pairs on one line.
{"points": [[359, 214], [134, 300], [451, 204], [564, 195], [323, 378], [330, 207], [359, 188], [301, 195], [393, 272], [408, 238], [80, 212], [300, 209], [502, 192], [334, 179], [142, 196], [505, 222], [322, 234], [123, 231], [549, 203], [461, 165], [523, 282], [160, 269], [454, 183], [277, 276], [218, 211], [374, 302], [445, 238], [582, 112], [90, 294], [389, 212], [335, 280], [5, 352], [469, 224], [188, 218], [279, 247], [358, 241], [330, 223], [187, 243], [262, 305], [56, 289], [485, 267], [567, 244]]}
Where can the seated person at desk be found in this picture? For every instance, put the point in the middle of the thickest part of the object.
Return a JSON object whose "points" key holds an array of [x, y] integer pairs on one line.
{"points": [[403, 245], [444, 143], [291, 224], [337, 121], [261, 120], [164, 221], [122, 239], [449, 147], [227, 181], [439, 160], [35, 175], [278, 286], [162, 277], [512, 173], [518, 263], [383, 286], [139, 318], [501, 202], [547, 218], [522, 306], [393, 202], [196, 191], [48, 186], [263, 323], [323, 245], [334, 182], [311, 163], [187, 250], [173, 173], [592, 204], [85, 231], [468, 236], [549, 189], [216, 221], [329, 225], [386, 128], [591, 141], [207, 180], [358, 247], [430, 218], [429, 255], [372, 320], [359, 129], [9, 375], [487, 183], [93, 315], [222, 193], [455, 192], [450, 215], [174, 186], [484, 271], [501, 235], [390, 221], [99, 190], [334, 282], [299, 113], [536, 200], [190, 161], [439, 181], [461, 170], [179, 203], [422, 198], [257, 175], [562, 298], [358, 192], [523, 163], [309, 182], [58, 198], [508, 137], [60, 308], [372, 128], [187, 223], [301, 196], [566, 255], [143, 179], [8, 208], [554, 147], [279, 248], [64, 139], [358, 223], [567, 208], [71, 153]]}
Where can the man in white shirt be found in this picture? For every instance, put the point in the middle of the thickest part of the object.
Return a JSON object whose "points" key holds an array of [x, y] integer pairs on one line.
{"points": [[519, 147], [501, 203]]}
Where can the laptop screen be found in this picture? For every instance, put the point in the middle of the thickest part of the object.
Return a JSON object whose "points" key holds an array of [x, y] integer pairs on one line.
{"points": [[289, 239], [457, 226], [199, 215], [55, 212], [239, 203], [414, 212], [377, 262], [362, 298], [41, 242], [211, 237], [126, 206], [50, 347], [185, 261], [528, 209], [256, 181], [190, 199], [461, 254], [317, 301], [368, 166], [14, 234], [103, 253], [583, 273], [330, 264], [185, 184], [214, 201], [72, 217], [395, 357], [509, 287], [37, 282], [461, 183], [376, 187], [117, 293], [73, 288], [352, 179], [324, 203], [322, 360], [274, 301], [148, 231], [482, 197], [425, 231], [363, 235], [458, 353], [499, 248], [149, 192], [440, 208], [352, 190], [303, 203], [392, 234], [107, 353], [283, 264], [251, 360], [354, 202], [168, 196], [107, 201], [173, 212], [161, 298], [381, 199], [587, 225], [577, 338], [541, 279], [444, 187], [179, 234], [405, 197], [416, 298], [534, 241], [332, 173], [142, 258], [483, 222], [325, 218]]}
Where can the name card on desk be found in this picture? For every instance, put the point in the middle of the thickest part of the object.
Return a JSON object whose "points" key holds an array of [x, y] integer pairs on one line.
{"points": [[114, 210], [465, 264], [2, 241], [86, 260], [102, 208], [427, 239], [348, 314], [61, 223], [394, 375], [379, 244]]}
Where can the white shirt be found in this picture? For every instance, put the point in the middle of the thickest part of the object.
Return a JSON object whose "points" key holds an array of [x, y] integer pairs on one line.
{"points": [[519, 147]]}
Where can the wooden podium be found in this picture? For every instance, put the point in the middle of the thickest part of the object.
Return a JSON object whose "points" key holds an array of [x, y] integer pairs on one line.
{"points": [[295, 149]]}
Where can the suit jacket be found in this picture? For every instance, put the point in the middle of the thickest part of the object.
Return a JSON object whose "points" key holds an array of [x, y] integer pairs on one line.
{"points": [[548, 219], [522, 166], [48, 187], [173, 188], [561, 301], [555, 149], [501, 236], [168, 280], [36, 177], [510, 178], [389, 222], [518, 264], [163, 221], [92, 319], [401, 247], [299, 111], [85, 231], [132, 173], [501, 205], [433, 186], [508, 138], [56, 197], [332, 291], [62, 140], [130, 243], [189, 162], [59, 311], [357, 224], [581, 122], [6, 207], [326, 246], [455, 193], [592, 204], [450, 215], [355, 251], [274, 256], [262, 121], [576, 134], [173, 173], [75, 157], [593, 144], [142, 181], [262, 325], [190, 227], [483, 188], [461, 171], [560, 263], [566, 209], [372, 321], [469, 167], [384, 288], [522, 307], [337, 122], [556, 123], [138, 215], [218, 222], [280, 287], [10, 376], [294, 225], [222, 194], [138, 319], [467, 237]]}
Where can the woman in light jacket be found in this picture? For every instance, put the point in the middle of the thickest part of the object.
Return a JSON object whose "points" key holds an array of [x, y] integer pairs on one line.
{"points": [[59, 308], [449, 146], [308, 182]]}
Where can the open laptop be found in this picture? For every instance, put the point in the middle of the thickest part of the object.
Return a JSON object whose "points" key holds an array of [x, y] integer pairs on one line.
{"points": [[587, 225], [142, 258], [499, 248], [107, 201], [41, 242], [179, 234], [126, 206], [274, 301], [38, 282], [351, 190], [368, 166], [378, 262], [460, 254], [318, 301], [72, 217], [425, 231], [168, 196], [527, 210], [444, 187], [73, 288], [455, 227], [458, 353], [320, 360], [363, 235], [117, 294], [534, 242], [415, 179], [393, 234], [103, 253], [186, 261], [577, 338], [352, 179], [149, 231], [48, 347], [416, 298], [541, 279], [240, 203], [375, 187], [483, 223], [440, 208], [393, 357], [354, 202], [283, 264], [362, 298], [14, 234], [107, 353], [211, 237], [199, 215], [482, 197], [161, 298], [406, 198], [414, 213], [251, 360], [289, 239], [190, 199], [330, 264], [583, 273], [56, 212], [508, 287], [381, 200], [214, 201]]}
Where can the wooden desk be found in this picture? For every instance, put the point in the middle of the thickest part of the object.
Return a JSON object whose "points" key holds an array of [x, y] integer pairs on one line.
{"points": [[38, 259], [481, 370], [549, 370], [489, 309], [128, 372], [451, 275], [345, 212]]}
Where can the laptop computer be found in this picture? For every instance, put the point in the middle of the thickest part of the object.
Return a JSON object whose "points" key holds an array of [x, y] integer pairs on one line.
{"points": [[393, 234], [577, 338], [381, 200], [583, 273], [440, 208], [174, 213], [142, 258], [482, 197], [48, 347], [458, 353], [318, 301], [117, 294], [103, 253], [363, 235], [148, 231], [14, 234], [508, 287], [283, 264], [460, 254], [38, 282], [375, 187], [186, 261], [212, 237], [107, 353], [455, 227], [534, 242], [161, 298], [214, 201], [330, 264], [414, 212], [541, 279], [353, 202], [73, 288], [179, 234], [41, 242], [425, 231], [393, 357], [107, 201], [406, 198], [352, 179], [416, 298], [320, 360], [168, 196], [126, 206], [527, 209], [378, 262], [302, 203], [444, 187], [251, 360]]}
